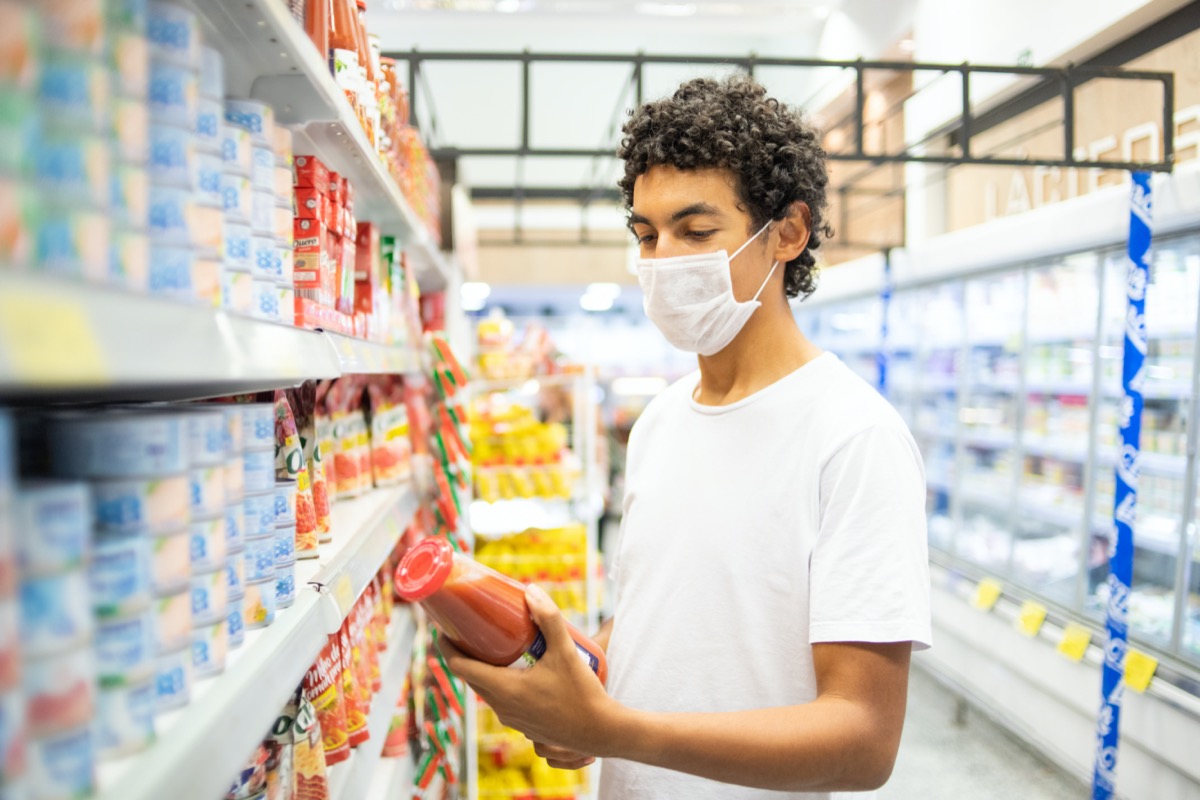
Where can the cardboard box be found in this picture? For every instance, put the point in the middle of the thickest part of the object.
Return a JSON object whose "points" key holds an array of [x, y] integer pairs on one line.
{"points": [[311, 204], [367, 256], [310, 172]]}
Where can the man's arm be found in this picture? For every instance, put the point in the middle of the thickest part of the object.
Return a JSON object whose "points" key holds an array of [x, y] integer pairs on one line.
{"points": [[604, 634], [845, 740]]}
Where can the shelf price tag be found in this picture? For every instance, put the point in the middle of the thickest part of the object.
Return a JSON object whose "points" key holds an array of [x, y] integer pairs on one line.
{"points": [[1074, 642], [1031, 617], [1139, 670], [987, 592], [343, 594], [49, 341]]}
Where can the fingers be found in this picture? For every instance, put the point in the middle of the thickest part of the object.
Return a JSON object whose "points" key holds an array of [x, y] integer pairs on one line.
{"points": [[482, 677], [561, 757], [571, 764], [548, 618]]}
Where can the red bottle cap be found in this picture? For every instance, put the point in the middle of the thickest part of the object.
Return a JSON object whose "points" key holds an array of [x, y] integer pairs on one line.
{"points": [[424, 569]]}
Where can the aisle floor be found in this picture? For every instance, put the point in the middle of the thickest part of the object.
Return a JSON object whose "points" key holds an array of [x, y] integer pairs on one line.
{"points": [[942, 760]]}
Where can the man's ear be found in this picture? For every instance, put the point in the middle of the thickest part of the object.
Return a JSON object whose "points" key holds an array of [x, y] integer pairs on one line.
{"points": [[793, 232]]}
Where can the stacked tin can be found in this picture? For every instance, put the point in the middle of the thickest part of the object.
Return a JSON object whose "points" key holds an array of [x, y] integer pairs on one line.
{"points": [[72, 154], [259, 600], [237, 196], [285, 542], [208, 455], [127, 53], [19, 134], [283, 216], [235, 521]]}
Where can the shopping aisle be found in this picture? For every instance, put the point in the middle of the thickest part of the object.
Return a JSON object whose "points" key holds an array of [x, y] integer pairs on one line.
{"points": [[941, 760]]}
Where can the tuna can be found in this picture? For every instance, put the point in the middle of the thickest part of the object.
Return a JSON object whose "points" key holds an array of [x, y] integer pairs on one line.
{"points": [[284, 222], [262, 168], [174, 94], [173, 622], [13, 735], [10, 649], [210, 596], [235, 437], [56, 613], [237, 291], [262, 212], [258, 606], [236, 196], [234, 480], [172, 215], [173, 678], [172, 155], [285, 544], [55, 521], [60, 691], [212, 73], [285, 585], [235, 574], [262, 260], [209, 115], [259, 519], [252, 116], [209, 169], [206, 437], [237, 625], [73, 93], [130, 56], [131, 130], [285, 502], [125, 719], [141, 505], [210, 543], [125, 649], [239, 250], [129, 196], [259, 558], [210, 646], [235, 526], [75, 168], [117, 444], [129, 260], [266, 301], [62, 766], [174, 35], [207, 492], [120, 575], [258, 427], [210, 247], [235, 149], [171, 564], [171, 268], [259, 468]]}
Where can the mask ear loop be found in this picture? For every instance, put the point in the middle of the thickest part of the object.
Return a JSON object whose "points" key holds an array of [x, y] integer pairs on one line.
{"points": [[774, 264], [737, 252]]}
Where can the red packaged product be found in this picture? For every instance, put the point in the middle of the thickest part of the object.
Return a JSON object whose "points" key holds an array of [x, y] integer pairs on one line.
{"points": [[483, 612], [311, 172], [356, 712], [325, 689], [311, 204], [308, 755], [311, 253], [334, 218], [290, 464], [367, 255]]}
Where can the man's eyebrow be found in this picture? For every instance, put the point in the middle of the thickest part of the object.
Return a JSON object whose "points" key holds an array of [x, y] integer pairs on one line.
{"points": [[695, 209]]}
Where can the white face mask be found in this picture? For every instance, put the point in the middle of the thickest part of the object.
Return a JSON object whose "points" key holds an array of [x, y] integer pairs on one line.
{"points": [[690, 299]]}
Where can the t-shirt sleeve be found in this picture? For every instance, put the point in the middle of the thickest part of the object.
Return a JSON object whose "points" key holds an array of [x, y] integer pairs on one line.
{"points": [[869, 573]]}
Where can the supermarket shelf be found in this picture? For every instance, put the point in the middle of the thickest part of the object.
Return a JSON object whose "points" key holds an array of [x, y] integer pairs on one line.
{"points": [[528, 385], [998, 386], [939, 484], [992, 498], [393, 780], [1057, 450], [989, 440], [1058, 387], [269, 57], [61, 335], [936, 434], [351, 779], [190, 761], [937, 384]]}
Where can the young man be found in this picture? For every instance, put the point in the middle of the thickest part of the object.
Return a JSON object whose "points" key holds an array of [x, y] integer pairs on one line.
{"points": [[772, 573]]}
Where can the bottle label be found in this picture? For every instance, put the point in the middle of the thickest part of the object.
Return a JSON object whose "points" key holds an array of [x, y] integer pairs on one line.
{"points": [[538, 649]]}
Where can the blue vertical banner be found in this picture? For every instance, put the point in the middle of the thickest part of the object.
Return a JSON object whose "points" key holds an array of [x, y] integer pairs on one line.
{"points": [[1120, 574], [885, 307]]}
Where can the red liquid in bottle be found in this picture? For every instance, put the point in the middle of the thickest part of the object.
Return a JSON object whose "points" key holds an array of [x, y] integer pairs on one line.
{"points": [[481, 611]]}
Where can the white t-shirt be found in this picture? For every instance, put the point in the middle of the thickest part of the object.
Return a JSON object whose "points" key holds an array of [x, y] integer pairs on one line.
{"points": [[752, 531]]}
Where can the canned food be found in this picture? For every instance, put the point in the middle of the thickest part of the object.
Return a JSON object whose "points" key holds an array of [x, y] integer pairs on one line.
{"points": [[209, 168], [235, 526], [74, 25], [234, 436], [60, 691], [55, 521], [172, 215], [266, 300], [75, 168], [173, 622], [73, 93], [130, 57], [285, 502], [259, 467], [209, 544], [131, 130], [137, 505], [285, 544], [174, 94], [262, 264], [253, 116], [173, 678], [62, 766], [10, 648], [207, 492], [125, 719], [259, 518], [171, 271], [210, 646], [120, 575], [284, 227], [235, 480], [174, 34], [285, 585], [210, 596], [259, 558], [56, 613], [13, 733], [239, 250], [72, 241], [172, 155], [212, 73], [210, 242], [235, 149], [282, 184], [209, 114], [171, 569], [206, 437], [262, 168], [235, 573], [237, 291], [117, 444], [287, 303], [259, 427], [129, 260], [125, 649], [281, 143], [236, 195], [130, 197], [258, 606], [237, 625]]}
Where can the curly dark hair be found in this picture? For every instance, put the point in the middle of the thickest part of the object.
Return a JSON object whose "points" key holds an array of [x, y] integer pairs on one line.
{"points": [[774, 154]]}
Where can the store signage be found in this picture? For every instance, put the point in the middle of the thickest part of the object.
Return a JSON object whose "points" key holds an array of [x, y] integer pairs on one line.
{"points": [[1120, 574]]}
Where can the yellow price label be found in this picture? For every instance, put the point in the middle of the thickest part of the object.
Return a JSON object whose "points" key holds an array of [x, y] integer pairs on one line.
{"points": [[343, 594], [49, 341], [1075, 641], [987, 592], [1139, 670], [1031, 618]]}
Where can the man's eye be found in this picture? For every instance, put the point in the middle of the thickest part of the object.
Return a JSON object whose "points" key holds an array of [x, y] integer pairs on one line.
{"points": [[646, 239], [701, 235]]}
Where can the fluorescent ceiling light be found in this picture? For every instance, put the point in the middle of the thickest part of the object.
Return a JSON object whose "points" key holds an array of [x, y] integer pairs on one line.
{"points": [[474, 295], [635, 387], [666, 9]]}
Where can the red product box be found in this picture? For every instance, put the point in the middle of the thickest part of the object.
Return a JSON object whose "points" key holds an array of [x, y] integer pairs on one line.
{"points": [[308, 313], [367, 258], [313, 254], [348, 194], [310, 172], [311, 203], [349, 224]]}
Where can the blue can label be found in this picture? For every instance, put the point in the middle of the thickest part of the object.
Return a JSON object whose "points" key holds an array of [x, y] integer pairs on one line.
{"points": [[55, 613], [259, 559], [125, 648], [260, 514], [125, 718], [285, 545], [234, 526], [55, 523], [120, 574], [173, 681], [235, 574], [63, 765], [258, 426], [259, 474], [237, 626], [285, 589]]}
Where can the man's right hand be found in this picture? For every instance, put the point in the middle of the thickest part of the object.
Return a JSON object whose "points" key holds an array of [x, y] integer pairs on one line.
{"points": [[562, 758]]}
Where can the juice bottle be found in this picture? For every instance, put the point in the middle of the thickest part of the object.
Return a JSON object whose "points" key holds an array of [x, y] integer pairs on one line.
{"points": [[317, 24], [481, 611], [343, 47]]}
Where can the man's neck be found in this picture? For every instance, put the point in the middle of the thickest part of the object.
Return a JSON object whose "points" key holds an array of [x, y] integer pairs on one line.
{"points": [[769, 348]]}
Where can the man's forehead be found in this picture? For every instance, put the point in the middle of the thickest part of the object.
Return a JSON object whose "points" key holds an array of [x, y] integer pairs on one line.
{"points": [[665, 192]]}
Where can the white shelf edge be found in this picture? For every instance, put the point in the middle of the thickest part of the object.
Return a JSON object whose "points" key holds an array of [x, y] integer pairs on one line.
{"points": [[188, 762], [351, 779], [393, 779]]}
